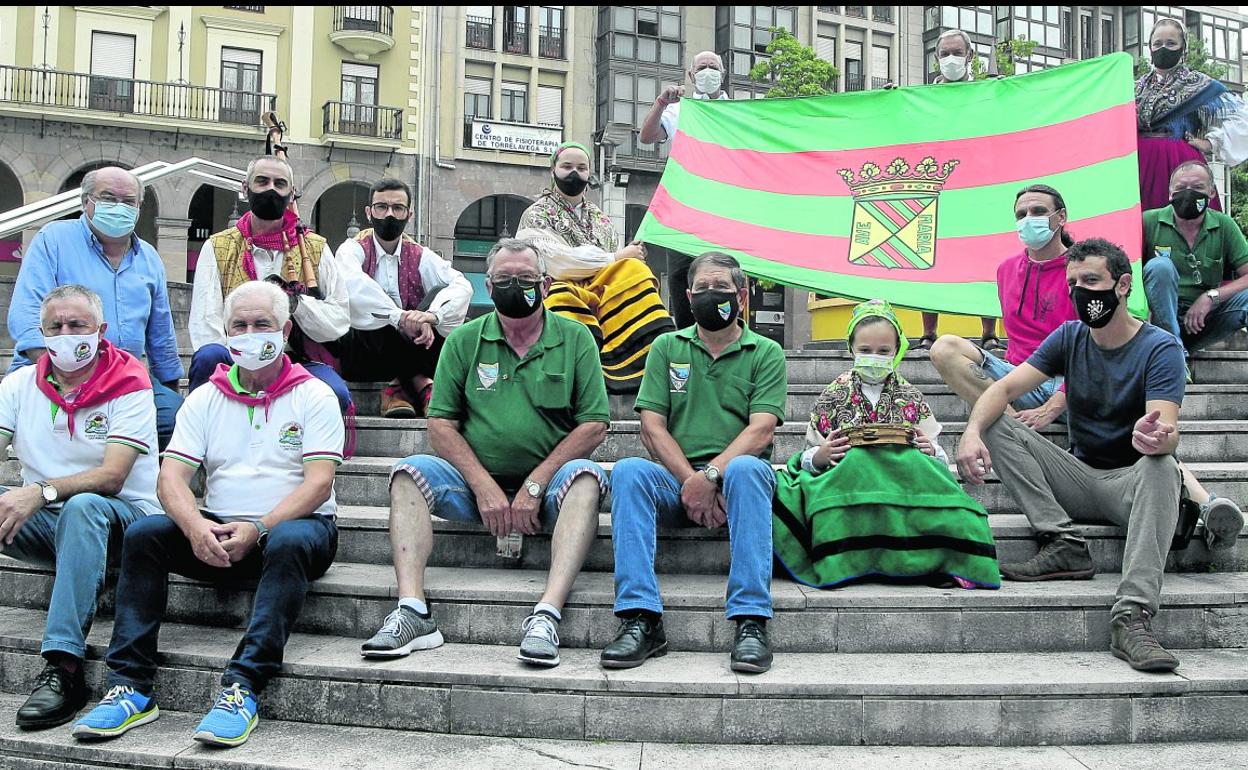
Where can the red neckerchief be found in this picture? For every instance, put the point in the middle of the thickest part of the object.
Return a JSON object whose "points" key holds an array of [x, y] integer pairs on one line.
{"points": [[116, 374]]}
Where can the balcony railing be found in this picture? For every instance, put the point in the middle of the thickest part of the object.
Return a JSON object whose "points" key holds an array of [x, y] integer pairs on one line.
{"points": [[80, 91], [882, 13], [857, 11], [880, 82], [550, 42], [516, 37], [480, 32], [370, 120], [364, 18], [855, 82]]}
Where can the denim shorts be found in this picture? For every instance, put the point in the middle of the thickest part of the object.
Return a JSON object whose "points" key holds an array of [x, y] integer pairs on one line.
{"points": [[449, 497], [996, 369]]}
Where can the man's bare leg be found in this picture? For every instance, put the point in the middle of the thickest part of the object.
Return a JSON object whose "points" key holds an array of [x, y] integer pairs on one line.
{"points": [[411, 536], [574, 535]]}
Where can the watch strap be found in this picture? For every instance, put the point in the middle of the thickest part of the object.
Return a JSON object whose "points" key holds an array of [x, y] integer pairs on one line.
{"points": [[261, 530]]}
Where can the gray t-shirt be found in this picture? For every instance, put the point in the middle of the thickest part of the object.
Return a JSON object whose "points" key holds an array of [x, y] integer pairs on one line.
{"points": [[1106, 390]]}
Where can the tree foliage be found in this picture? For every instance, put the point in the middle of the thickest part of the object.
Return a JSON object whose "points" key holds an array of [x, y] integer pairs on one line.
{"points": [[1197, 59], [1007, 53], [793, 69]]}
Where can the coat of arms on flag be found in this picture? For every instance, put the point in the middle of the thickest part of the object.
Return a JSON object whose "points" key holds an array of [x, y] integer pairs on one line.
{"points": [[895, 213]]}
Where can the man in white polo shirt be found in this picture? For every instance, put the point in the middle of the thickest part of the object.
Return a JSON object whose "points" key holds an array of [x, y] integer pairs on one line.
{"points": [[82, 422], [270, 437]]}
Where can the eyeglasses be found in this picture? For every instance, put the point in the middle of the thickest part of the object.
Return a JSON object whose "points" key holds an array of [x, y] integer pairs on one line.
{"points": [[510, 281], [381, 209], [107, 197]]}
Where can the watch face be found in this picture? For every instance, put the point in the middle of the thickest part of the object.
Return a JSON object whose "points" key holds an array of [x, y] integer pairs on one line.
{"points": [[49, 494]]}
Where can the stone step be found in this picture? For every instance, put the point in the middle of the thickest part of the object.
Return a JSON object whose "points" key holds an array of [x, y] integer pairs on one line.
{"points": [[813, 698], [487, 606], [166, 743]]}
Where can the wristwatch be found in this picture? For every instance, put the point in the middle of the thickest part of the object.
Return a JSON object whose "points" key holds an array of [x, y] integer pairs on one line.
{"points": [[533, 488], [263, 536], [1213, 294], [49, 492], [713, 475]]}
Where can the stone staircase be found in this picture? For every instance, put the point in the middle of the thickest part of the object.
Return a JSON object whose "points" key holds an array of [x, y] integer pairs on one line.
{"points": [[877, 665]]}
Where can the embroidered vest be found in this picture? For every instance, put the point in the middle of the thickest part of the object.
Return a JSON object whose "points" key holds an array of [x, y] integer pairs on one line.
{"points": [[228, 247], [411, 290]]}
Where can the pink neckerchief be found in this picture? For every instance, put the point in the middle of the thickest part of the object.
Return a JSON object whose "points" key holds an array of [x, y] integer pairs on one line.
{"points": [[116, 374], [291, 376], [280, 240]]}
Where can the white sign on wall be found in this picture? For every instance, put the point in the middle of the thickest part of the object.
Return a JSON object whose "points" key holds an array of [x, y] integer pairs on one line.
{"points": [[511, 137]]}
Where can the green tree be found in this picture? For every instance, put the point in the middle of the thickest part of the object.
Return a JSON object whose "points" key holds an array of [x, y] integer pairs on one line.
{"points": [[1197, 59], [1007, 53], [793, 69]]}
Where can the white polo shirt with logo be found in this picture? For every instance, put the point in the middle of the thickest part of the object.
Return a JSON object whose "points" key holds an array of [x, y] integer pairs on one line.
{"points": [[39, 431], [253, 463]]}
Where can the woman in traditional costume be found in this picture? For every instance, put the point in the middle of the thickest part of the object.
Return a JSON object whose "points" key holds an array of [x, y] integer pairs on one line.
{"points": [[891, 512], [1182, 115], [607, 288]]}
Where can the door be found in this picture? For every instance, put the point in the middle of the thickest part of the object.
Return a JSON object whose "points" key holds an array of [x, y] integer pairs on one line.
{"points": [[240, 86], [358, 112], [112, 72]]}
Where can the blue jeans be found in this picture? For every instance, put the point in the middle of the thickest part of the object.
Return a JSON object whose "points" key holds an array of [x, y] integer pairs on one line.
{"points": [[996, 368], [646, 497], [448, 496], [75, 541], [168, 403], [204, 363], [297, 552], [1161, 284]]}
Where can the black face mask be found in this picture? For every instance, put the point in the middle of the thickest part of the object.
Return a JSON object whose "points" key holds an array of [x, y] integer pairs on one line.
{"points": [[1189, 204], [715, 310], [389, 228], [515, 301], [1167, 58], [1095, 307], [268, 205], [571, 185]]}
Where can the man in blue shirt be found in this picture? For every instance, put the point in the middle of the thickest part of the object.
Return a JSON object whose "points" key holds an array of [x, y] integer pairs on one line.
{"points": [[99, 250]]}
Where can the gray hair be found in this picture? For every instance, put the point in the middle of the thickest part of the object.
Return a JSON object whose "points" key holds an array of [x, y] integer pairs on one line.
{"points": [[718, 259], [88, 181], [275, 296], [516, 246], [70, 291], [970, 47], [251, 168], [718, 58]]}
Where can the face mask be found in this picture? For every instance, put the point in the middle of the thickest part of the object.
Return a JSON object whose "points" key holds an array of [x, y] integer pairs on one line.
{"points": [[257, 350], [708, 80], [389, 228], [71, 352], [872, 368], [1034, 232], [1167, 58], [516, 301], [1095, 308], [571, 185], [715, 310], [268, 205], [953, 67], [114, 220], [1189, 204]]}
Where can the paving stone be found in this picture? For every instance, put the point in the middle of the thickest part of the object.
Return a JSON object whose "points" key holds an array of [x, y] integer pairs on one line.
{"points": [[519, 714], [935, 722], [772, 721], [1033, 721], [1190, 717], [666, 719]]}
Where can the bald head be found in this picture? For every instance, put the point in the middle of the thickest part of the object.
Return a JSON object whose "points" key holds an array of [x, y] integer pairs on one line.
{"points": [[113, 182], [704, 59]]}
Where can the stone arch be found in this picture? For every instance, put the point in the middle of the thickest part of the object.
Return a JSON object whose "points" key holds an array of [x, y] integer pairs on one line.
{"points": [[11, 197], [337, 210], [330, 176], [482, 223]]}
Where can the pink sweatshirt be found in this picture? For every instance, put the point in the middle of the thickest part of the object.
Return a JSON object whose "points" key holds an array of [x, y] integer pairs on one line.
{"points": [[1035, 300]]}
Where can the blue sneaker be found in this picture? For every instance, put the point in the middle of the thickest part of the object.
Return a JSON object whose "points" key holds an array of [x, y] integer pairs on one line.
{"points": [[231, 720], [122, 709]]}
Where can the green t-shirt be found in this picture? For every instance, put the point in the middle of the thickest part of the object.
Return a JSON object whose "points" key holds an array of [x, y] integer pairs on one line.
{"points": [[513, 412], [1219, 244], [708, 401]]}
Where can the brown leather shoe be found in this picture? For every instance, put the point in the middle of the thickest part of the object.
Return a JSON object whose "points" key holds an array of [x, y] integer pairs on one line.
{"points": [[395, 404]]}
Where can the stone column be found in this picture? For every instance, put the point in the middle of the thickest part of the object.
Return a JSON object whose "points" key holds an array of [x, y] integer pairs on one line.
{"points": [[171, 235]]}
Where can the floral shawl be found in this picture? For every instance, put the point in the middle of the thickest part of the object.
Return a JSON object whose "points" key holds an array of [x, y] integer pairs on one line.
{"points": [[552, 213], [843, 405], [1180, 102]]}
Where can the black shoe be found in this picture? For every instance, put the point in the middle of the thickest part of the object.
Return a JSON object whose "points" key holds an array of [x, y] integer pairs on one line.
{"points": [[1058, 559], [57, 697], [637, 639], [751, 652]]}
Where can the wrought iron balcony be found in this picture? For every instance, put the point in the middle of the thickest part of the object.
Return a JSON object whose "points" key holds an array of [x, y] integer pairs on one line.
{"points": [[857, 11], [56, 89], [363, 30], [880, 82], [550, 42], [855, 82], [480, 32], [516, 37], [367, 120], [882, 13]]}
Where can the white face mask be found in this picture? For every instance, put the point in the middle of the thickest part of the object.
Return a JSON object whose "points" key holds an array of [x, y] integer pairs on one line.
{"points": [[71, 352], [953, 67], [871, 368], [256, 351], [708, 80]]}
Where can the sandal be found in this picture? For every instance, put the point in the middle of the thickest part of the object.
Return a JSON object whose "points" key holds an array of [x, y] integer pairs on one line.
{"points": [[991, 343], [925, 342]]}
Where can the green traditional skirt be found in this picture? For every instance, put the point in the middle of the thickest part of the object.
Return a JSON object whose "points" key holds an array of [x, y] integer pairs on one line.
{"points": [[886, 511]]}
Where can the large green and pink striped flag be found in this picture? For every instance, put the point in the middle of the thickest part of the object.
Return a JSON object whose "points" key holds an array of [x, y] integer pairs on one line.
{"points": [[906, 195]]}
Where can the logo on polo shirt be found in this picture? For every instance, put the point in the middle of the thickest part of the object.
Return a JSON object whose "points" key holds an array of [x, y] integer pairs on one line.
{"points": [[291, 436], [679, 376], [488, 374], [82, 352], [1161, 251], [96, 425]]}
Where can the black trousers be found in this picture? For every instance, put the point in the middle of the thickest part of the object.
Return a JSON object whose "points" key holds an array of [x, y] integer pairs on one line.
{"points": [[381, 355]]}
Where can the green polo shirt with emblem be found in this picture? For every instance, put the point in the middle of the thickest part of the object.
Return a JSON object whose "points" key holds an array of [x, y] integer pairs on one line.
{"points": [[1219, 244], [514, 411], [708, 401]]}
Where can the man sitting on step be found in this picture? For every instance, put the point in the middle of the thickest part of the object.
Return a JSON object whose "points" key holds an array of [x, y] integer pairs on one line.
{"points": [[519, 402], [82, 423], [711, 398], [1124, 387], [390, 279], [269, 437]]}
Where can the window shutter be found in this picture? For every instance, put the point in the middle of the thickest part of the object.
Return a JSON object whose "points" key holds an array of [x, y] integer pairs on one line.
{"points": [[479, 86], [241, 56], [549, 106], [825, 48], [112, 55], [359, 70]]}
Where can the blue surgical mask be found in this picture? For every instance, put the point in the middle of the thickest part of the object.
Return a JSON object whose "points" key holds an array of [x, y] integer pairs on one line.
{"points": [[1035, 232], [114, 220]]}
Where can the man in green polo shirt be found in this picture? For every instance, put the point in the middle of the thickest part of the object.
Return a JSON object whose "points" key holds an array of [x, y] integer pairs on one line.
{"points": [[519, 403], [710, 401], [1188, 250]]}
